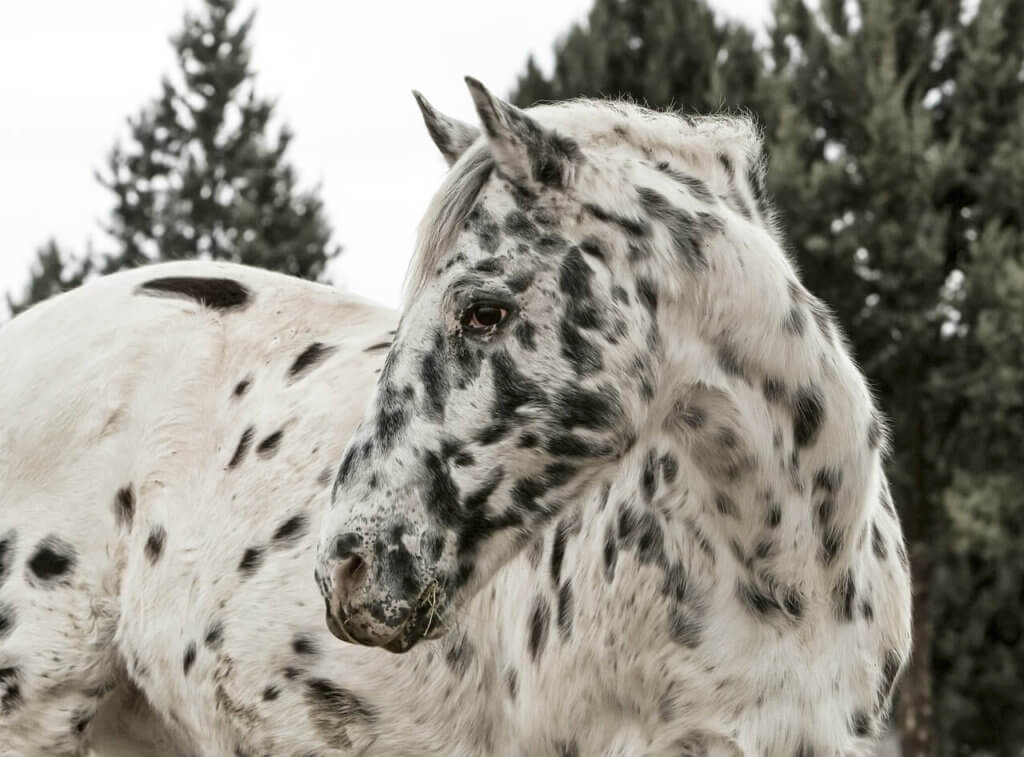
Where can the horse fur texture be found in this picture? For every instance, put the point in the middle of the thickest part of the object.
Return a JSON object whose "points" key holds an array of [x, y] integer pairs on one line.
{"points": [[612, 485]]}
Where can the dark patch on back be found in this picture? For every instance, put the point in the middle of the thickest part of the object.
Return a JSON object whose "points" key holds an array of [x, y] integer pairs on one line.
{"points": [[269, 446], [52, 558], [334, 710], [290, 531], [377, 347], [155, 543], [242, 448], [210, 292], [241, 387], [309, 357], [567, 748], [270, 693], [124, 506]]}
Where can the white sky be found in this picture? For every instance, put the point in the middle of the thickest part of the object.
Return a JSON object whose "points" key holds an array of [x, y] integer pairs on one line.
{"points": [[72, 71]]}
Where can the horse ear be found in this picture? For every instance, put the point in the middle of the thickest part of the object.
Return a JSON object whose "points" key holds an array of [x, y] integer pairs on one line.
{"points": [[451, 136], [524, 151]]}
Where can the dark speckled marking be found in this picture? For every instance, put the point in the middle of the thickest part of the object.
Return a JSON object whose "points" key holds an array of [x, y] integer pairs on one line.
{"points": [[155, 543], [210, 292], [52, 559], [290, 531], [269, 446], [313, 354], [124, 506], [189, 658], [242, 448], [540, 618], [251, 560]]}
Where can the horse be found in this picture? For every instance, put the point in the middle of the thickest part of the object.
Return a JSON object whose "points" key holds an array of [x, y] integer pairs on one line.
{"points": [[610, 484]]}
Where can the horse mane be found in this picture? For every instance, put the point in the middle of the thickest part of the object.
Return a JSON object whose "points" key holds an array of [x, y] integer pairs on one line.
{"points": [[708, 144]]}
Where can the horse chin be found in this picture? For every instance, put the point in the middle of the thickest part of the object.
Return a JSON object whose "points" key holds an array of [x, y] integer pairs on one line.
{"points": [[422, 624]]}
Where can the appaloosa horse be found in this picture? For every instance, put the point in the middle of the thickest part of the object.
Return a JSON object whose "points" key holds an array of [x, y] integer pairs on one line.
{"points": [[617, 490]]}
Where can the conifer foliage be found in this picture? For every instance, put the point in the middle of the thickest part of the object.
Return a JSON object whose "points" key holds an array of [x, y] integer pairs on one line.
{"points": [[204, 172]]}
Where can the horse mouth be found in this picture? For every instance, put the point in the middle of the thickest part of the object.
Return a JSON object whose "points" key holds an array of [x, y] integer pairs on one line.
{"points": [[424, 622]]}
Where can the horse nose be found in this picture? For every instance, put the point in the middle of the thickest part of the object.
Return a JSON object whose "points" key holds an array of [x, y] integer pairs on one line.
{"points": [[349, 570], [349, 574]]}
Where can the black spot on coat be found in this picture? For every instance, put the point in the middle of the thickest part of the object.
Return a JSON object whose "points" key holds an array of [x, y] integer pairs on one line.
{"points": [[242, 448], [290, 531], [155, 543], [269, 446], [189, 658], [124, 506], [252, 558], [309, 357], [210, 292], [540, 618], [53, 558], [808, 415]]}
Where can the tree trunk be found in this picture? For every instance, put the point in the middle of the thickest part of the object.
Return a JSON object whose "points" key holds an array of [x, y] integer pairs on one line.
{"points": [[916, 715]]}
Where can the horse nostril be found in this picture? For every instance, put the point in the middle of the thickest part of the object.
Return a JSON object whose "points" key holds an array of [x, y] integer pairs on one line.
{"points": [[349, 575]]}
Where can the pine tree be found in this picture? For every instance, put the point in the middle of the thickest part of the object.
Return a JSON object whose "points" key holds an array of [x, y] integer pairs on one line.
{"points": [[668, 53], [203, 176], [54, 271]]}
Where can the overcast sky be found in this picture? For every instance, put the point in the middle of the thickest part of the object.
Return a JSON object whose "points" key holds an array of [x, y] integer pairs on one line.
{"points": [[71, 71]]}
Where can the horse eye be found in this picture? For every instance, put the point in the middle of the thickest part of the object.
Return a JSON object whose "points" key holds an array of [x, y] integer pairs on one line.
{"points": [[483, 317]]}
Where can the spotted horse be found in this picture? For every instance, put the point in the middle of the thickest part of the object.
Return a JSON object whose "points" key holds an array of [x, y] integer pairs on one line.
{"points": [[611, 485]]}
